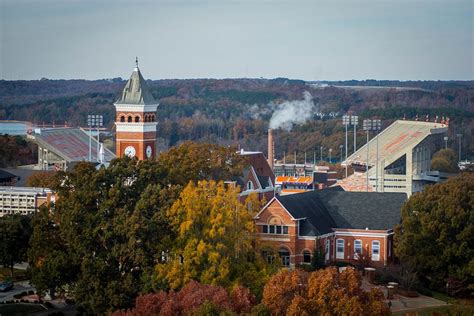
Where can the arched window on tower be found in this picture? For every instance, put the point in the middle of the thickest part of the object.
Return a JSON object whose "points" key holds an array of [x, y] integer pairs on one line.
{"points": [[122, 118], [152, 118], [146, 118], [137, 119], [129, 119]]}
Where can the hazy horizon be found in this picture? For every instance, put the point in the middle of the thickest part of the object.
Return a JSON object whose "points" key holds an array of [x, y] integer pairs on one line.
{"points": [[308, 40]]}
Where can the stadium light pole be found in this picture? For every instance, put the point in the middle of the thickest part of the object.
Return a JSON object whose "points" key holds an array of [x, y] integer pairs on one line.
{"points": [[377, 126], [94, 121], [459, 142], [445, 142], [355, 122], [346, 120], [367, 126]]}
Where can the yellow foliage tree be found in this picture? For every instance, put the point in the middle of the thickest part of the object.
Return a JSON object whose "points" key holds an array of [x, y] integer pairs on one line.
{"points": [[215, 237]]}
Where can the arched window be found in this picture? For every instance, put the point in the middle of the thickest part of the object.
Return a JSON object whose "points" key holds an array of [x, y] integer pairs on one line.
{"points": [[122, 118], [137, 119], [284, 256], [152, 118], [306, 256], [146, 118], [250, 185], [129, 119]]}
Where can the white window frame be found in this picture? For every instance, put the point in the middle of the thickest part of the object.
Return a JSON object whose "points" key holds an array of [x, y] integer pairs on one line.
{"points": [[358, 255], [375, 245], [328, 248], [249, 185], [339, 254]]}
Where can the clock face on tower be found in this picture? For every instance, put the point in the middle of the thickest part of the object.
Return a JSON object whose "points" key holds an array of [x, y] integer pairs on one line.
{"points": [[130, 151], [148, 151]]}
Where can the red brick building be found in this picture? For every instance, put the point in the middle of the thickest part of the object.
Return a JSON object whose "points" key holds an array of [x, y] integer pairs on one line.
{"points": [[257, 177], [345, 226]]}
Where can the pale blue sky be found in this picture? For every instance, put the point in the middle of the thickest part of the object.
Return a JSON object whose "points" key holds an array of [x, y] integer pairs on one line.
{"points": [[311, 40]]}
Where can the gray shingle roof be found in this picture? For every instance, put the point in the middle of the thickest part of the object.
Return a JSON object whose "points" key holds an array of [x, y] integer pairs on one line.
{"points": [[136, 91], [328, 209]]}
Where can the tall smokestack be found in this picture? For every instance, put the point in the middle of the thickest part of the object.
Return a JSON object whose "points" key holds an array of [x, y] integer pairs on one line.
{"points": [[271, 149]]}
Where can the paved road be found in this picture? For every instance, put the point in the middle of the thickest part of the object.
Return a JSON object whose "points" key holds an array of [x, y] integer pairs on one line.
{"points": [[19, 287]]}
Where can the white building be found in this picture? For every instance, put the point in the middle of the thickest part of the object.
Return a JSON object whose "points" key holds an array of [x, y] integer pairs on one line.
{"points": [[23, 200]]}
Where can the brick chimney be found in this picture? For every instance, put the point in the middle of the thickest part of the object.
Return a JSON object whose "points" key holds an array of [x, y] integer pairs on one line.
{"points": [[271, 149]]}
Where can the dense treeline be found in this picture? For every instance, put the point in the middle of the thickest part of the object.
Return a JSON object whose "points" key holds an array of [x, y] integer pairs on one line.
{"points": [[237, 111], [15, 150]]}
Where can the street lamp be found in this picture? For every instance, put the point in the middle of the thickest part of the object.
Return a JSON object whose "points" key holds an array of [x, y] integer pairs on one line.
{"points": [[94, 121], [340, 149], [346, 120], [355, 122], [330, 152], [445, 142], [321, 151], [459, 138]]}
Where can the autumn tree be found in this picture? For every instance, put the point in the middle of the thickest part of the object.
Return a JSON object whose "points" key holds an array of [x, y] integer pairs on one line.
{"points": [[322, 292], [215, 238], [193, 299], [15, 231], [111, 225], [445, 160], [436, 235], [43, 179]]}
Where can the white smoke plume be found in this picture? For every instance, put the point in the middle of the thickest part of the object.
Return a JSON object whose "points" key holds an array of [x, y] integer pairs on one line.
{"points": [[290, 113]]}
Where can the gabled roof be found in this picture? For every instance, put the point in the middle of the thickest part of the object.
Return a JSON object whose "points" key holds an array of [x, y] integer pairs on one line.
{"points": [[324, 210], [136, 91], [308, 206]]}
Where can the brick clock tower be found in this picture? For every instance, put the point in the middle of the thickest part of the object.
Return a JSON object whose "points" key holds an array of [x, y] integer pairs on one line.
{"points": [[135, 119]]}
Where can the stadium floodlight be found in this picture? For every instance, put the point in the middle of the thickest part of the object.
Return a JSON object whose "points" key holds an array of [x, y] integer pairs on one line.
{"points": [[377, 126], [355, 122], [97, 121], [367, 126], [346, 120]]}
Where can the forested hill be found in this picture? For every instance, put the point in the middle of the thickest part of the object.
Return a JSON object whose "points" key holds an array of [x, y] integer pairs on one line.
{"points": [[237, 111]]}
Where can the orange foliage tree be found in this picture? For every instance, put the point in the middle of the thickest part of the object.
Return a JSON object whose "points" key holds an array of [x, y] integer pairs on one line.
{"points": [[323, 292]]}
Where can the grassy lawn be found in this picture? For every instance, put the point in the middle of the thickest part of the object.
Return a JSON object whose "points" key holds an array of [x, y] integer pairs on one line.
{"points": [[20, 309], [18, 275]]}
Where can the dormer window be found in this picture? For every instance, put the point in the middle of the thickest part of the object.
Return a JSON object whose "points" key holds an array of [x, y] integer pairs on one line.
{"points": [[249, 185]]}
